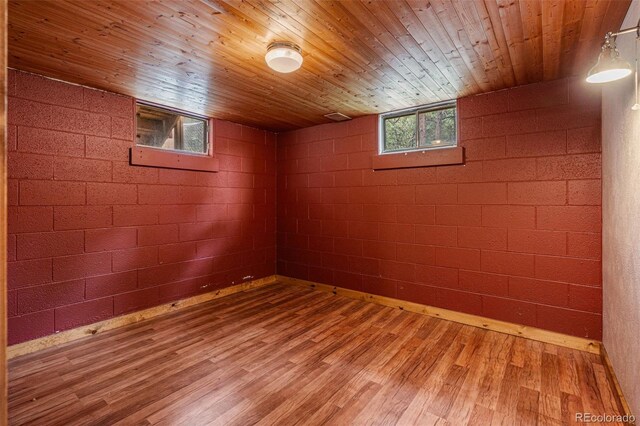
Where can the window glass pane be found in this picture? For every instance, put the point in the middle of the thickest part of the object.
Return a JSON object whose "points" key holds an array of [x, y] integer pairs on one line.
{"points": [[437, 128], [195, 134], [420, 128], [400, 132], [166, 129]]}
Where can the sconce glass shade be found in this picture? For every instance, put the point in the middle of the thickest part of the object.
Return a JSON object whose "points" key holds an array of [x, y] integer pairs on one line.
{"points": [[610, 66], [283, 57]]}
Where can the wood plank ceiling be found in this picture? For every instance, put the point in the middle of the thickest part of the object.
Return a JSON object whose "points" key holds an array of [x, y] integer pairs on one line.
{"points": [[360, 57]]}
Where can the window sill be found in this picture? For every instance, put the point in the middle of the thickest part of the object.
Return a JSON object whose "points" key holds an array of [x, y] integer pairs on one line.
{"points": [[150, 157], [427, 158]]}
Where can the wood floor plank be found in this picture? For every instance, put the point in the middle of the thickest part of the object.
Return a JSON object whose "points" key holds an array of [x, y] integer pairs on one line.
{"points": [[498, 360], [480, 416], [464, 408], [293, 355]]}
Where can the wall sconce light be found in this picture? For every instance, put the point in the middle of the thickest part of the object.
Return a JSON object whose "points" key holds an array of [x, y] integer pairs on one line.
{"points": [[611, 67]]}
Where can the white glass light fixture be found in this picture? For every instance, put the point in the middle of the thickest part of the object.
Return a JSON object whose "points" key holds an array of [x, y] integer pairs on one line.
{"points": [[610, 65], [283, 56]]}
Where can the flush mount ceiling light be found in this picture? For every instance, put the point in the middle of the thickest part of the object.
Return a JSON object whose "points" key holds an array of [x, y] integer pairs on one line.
{"points": [[283, 56]]}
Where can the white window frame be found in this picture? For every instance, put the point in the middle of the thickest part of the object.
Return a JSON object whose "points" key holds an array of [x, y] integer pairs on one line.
{"points": [[415, 110]]}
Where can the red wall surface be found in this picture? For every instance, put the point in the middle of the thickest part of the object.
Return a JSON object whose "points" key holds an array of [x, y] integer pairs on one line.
{"points": [[513, 234], [91, 237]]}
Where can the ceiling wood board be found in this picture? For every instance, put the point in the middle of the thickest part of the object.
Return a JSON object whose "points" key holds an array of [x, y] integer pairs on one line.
{"points": [[360, 57]]}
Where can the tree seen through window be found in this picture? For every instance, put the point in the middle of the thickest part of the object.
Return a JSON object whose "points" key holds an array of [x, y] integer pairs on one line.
{"points": [[420, 128]]}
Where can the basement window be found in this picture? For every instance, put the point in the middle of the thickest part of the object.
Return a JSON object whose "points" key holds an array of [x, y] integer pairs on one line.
{"points": [[171, 139], [171, 130], [421, 128]]}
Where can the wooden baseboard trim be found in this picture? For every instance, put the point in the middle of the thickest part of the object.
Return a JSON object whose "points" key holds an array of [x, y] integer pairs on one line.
{"points": [[532, 333], [134, 317], [527, 332], [623, 406]]}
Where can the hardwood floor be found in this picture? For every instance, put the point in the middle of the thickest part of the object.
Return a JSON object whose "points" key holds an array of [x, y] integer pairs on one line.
{"points": [[287, 355]]}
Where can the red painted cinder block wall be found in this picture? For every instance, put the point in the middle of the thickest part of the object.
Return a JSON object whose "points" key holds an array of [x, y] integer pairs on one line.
{"points": [[92, 237], [513, 234]]}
